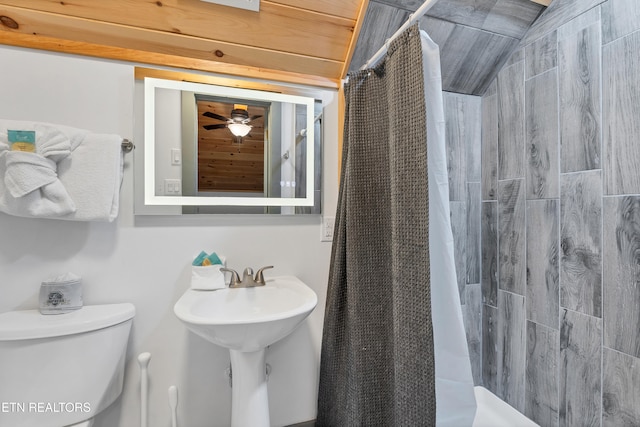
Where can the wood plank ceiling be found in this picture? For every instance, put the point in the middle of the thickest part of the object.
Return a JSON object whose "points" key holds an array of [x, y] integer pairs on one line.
{"points": [[297, 41], [288, 40]]}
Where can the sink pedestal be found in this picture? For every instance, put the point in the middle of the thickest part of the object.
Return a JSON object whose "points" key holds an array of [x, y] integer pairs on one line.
{"points": [[247, 321], [249, 399]]}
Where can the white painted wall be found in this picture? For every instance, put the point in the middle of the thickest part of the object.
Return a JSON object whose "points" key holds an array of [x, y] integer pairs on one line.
{"points": [[168, 136], [145, 260]]}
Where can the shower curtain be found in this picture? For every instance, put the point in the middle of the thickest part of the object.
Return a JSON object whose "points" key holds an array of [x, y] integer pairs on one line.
{"points": [[378, 362], [456, 403]]}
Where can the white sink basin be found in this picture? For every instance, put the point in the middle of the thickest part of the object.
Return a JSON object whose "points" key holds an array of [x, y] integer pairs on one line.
{"points": [[247, 319]]}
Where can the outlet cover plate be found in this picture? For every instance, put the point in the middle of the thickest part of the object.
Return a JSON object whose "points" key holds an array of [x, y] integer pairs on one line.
{"points": [[326, 232]]}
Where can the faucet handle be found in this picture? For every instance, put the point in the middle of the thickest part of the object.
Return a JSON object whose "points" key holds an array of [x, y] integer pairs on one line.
{"points": [[260, 276], [235, 278]]}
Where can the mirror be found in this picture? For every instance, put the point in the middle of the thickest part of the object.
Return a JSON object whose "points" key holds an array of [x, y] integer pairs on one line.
{"points": [[211, 146]]}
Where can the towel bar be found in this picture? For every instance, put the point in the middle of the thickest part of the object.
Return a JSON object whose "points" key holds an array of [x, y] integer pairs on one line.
{"points": [[127, 145]]}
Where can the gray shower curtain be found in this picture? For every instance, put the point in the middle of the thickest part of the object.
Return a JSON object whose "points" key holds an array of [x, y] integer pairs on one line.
{"points": [[377, 361]]}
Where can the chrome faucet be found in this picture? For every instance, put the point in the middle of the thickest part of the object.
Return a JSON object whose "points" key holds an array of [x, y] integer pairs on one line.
{"points": [[248, 278]]}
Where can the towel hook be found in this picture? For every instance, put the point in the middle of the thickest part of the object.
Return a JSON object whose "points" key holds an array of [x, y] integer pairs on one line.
{"points": [[127, 145]]}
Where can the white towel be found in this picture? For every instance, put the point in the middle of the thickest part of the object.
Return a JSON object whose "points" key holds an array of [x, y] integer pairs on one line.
{"points": [[73, 175], [27, 172], [33, 186], [92, 175], [31, 179], [208, 278]]}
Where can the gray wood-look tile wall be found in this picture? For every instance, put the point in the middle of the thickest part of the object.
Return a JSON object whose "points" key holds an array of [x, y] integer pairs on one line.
{"points": [[475, 36], [541, 118], [564, 348], [511, 236], [580, 242], [542, 369], [469, 55], [473, 237], [458, 136], [511, 110], [558, 13], [380, 22], [511, 349], [619, 18], [506, 17], [541, 55], [463, 120], [621, 274], [579, 51], [489, 249], [580, 369], [490, 354], [621, 377], [490, 145], [543, 285], [620, 101]]}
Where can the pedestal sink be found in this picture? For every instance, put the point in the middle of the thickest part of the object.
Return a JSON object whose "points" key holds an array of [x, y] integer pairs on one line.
{"points": [[246, 321]]}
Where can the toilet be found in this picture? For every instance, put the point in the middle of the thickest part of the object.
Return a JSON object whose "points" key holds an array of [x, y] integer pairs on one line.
{"points": [[62, 370]]}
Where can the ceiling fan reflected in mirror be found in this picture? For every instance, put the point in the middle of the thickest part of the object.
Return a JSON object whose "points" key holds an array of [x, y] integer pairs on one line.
{"points": [[238, 123]]}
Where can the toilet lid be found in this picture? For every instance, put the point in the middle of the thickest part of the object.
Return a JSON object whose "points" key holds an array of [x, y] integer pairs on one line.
{"points": [[30, 324]]}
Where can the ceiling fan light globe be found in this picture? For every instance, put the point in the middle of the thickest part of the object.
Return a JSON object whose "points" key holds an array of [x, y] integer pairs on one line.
{"points": [[239, 129]]}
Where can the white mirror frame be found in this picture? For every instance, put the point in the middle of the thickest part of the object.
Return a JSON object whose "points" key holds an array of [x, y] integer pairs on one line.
{"points": [[150, 197]]}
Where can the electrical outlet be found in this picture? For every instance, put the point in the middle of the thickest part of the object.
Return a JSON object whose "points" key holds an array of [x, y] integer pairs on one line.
{"points": [[326, 233]]}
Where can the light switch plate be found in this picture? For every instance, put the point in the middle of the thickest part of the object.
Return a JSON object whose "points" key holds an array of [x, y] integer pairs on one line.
{"points": [[176, 156], [172, 187]]}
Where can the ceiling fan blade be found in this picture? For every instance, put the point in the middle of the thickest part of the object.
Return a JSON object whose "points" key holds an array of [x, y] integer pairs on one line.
{"points": [[254, 117], [210, 127], [214, 116]]}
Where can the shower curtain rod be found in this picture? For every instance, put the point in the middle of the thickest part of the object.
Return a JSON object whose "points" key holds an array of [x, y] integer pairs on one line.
{"points": [[419, 13]]}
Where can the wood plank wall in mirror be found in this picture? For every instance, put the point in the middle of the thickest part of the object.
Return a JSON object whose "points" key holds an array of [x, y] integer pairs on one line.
{"points": [[227, 162]]}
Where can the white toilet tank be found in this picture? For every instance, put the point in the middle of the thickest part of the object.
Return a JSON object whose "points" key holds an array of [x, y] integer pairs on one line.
{"points": [[59, 370]]}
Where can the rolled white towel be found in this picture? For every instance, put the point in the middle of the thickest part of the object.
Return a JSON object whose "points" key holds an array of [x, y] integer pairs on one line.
{"points": [[27, 172], [31, 178], [74, 174], [32, 182]]}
